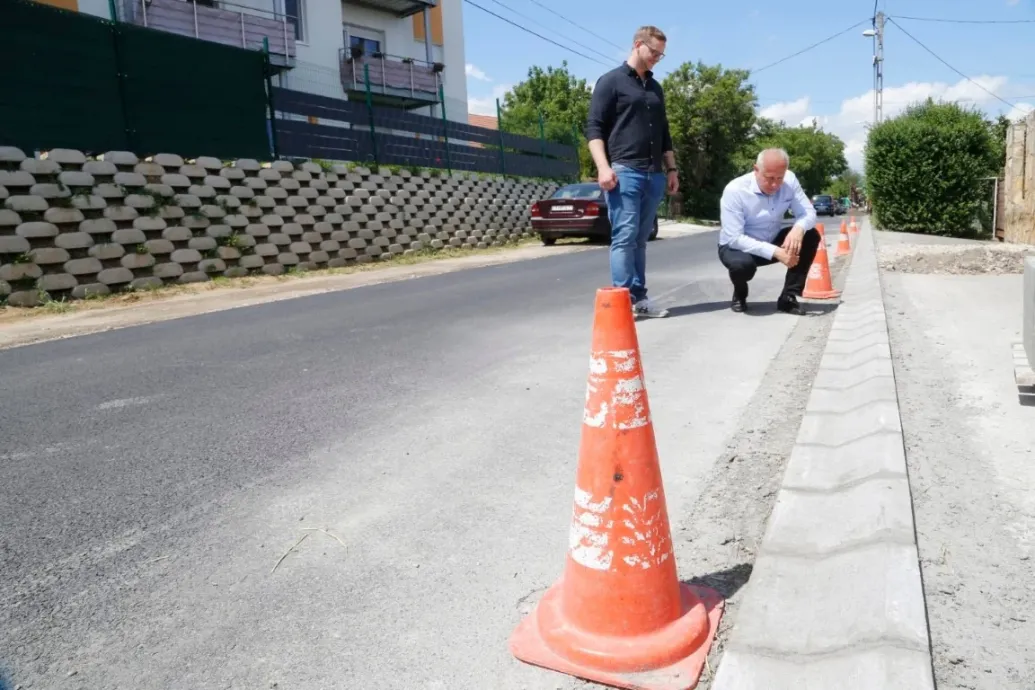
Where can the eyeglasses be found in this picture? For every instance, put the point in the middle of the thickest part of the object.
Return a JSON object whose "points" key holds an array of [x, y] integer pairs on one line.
{"points": [[656, 54]]}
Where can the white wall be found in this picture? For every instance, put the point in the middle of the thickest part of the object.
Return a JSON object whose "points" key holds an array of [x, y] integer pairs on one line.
{"points": [[98, 8], [455, 80]]}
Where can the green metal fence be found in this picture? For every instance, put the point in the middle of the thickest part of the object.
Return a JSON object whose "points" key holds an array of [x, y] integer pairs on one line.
{"points": [[71, 80]]}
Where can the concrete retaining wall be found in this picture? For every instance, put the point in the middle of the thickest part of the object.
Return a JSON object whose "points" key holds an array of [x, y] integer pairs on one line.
{"points": [[73, 227]]}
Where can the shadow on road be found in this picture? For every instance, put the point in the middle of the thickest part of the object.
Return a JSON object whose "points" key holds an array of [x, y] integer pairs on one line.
{"points": [[726, 582], [754, 308]]}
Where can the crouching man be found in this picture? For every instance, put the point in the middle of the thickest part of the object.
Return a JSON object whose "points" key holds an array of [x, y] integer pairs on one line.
{"points": [[752, 211]]}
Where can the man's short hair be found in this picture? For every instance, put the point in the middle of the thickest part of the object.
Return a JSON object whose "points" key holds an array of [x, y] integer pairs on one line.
{"points": [[781, 154], [645, 32]]}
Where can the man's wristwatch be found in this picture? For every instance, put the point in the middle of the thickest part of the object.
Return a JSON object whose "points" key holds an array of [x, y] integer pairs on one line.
{"points": [[672, 170]]}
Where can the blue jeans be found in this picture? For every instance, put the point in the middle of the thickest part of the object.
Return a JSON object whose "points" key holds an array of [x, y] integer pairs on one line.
{"points": [[632, 206]]}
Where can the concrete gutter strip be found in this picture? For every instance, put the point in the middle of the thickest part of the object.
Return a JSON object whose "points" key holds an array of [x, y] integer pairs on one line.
{"points": [[835, 599]]}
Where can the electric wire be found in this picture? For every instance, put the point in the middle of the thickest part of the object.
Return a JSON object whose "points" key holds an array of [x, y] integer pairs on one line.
{"points": [[540, 24], [537, 35], [814, 45], [939, 59], [965, 21], [598, 36]]}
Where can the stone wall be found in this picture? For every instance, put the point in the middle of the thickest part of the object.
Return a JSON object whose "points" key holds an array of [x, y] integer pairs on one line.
{"points": [[1019, 202], [74, 227]]}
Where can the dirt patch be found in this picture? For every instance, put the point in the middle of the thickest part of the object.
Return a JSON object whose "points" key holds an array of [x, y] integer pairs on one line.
{"points": [[962, 259], [969, 452]]}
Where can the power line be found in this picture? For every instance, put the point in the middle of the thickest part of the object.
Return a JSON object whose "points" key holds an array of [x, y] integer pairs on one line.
{"points": [[939, 59], [551, 11], [966, 21], [527, 30], [814, 45], [537, 23]]}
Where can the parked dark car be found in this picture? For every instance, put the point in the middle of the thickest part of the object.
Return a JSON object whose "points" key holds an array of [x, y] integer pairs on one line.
{"points": [[824, 205], [575, 210]]}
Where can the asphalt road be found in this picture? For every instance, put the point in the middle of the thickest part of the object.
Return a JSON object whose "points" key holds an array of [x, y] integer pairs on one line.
{"points": [[152, 477]]}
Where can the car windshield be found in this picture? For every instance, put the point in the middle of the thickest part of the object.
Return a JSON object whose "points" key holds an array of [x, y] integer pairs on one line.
{"points": [[578, 191], [822, 198]]}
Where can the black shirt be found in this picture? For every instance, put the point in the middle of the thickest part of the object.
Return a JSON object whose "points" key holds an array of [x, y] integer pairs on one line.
{"points": [[629, 115]]}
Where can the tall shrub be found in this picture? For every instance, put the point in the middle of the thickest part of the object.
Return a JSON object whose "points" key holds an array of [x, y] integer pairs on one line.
{"points": [[924, 169]]}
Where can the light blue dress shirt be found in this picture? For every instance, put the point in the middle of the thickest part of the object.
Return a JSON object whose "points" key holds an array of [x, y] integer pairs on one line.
{"points": [[751, 219]]}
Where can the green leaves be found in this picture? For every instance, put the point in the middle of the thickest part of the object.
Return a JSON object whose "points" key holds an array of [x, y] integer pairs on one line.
{"points": [[563, 101], [924, 169], [711, 111]]}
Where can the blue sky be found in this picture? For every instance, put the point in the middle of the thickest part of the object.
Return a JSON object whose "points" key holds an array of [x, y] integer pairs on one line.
{"points": [[832, 83]]}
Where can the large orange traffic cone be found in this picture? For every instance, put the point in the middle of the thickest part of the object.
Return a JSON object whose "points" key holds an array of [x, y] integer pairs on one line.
{"points": [[818, 285], [619, 615], [844, 242]]}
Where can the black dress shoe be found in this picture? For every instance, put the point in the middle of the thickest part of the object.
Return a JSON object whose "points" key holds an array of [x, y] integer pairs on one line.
{"points": [[789, 305], [739, 304]]}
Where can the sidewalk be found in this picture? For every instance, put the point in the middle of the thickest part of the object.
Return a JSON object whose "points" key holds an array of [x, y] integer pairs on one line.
{"points": [[969, 444]]}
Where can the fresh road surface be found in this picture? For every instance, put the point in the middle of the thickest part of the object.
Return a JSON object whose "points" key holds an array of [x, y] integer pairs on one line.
{"points": [[152, 477]]}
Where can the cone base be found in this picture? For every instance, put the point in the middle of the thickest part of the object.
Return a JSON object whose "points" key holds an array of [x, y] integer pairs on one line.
{"points": [[528, 645], [821, 294]]}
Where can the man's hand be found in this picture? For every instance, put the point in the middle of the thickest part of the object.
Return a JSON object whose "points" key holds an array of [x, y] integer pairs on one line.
{"points": [[607, 179], [792, 243], [673, 182], [785, 257]]}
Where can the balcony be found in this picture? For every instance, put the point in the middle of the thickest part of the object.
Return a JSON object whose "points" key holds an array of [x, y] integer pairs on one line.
{"points": [[398, 8], [394, 81], [230, 24]]}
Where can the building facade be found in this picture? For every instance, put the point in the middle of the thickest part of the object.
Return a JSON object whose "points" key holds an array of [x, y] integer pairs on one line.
{"points": [[405, 53]]}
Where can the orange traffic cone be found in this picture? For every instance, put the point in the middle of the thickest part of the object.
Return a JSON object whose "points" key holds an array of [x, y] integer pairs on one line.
{"points": [[853, 229], [821, 230], [844, 242], [619, 614], [818, 285]]}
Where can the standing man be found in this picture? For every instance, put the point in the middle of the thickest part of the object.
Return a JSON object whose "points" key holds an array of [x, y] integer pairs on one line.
{"points": [[752, 211], [629, 138]]}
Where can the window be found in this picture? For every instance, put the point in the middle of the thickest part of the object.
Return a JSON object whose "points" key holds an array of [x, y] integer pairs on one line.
{"points": [[579, 191], [294, 10], [369, 45]]}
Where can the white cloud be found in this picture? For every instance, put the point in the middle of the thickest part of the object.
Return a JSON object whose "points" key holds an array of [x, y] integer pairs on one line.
{"points": [[856, 114], [791, 111], [475, 73], [487, 104]]}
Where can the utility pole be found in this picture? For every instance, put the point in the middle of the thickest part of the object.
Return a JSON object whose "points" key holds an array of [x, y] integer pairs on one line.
{"points": [[878, 68]]}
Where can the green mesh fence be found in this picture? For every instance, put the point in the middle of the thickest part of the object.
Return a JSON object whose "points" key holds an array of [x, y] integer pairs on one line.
{"points": [[71, 80]]}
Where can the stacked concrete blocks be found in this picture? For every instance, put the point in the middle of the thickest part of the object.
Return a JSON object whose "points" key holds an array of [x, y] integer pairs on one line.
{"points": [[835, 599], [74, 227]]}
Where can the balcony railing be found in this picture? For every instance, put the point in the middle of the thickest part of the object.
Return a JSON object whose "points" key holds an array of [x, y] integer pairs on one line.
{"points": [[230, 24], [391, 75]]}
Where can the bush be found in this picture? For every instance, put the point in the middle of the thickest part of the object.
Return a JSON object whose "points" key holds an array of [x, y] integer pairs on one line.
{"points": [[924, 169]]}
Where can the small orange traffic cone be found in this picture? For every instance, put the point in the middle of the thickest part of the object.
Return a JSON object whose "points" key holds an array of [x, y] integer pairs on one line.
{"points": [[844, 242], [821, 229], [818, 285], [619, 614], [853, 228]]}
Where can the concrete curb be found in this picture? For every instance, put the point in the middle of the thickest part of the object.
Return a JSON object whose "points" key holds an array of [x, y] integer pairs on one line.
{"points": [[835, 599]]}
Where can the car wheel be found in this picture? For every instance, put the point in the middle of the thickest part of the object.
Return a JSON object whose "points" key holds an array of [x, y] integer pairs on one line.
{"points": [[548, 240], [654, 232]]}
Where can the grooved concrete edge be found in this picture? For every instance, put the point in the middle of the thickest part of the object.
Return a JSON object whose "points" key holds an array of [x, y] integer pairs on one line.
{"points": [[836, 598]]}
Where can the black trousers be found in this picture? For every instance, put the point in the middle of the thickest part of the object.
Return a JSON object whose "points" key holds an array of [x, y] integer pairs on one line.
{"points": [[742, 266]]}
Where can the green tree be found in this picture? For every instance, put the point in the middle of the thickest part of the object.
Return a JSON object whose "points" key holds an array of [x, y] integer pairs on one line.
{"points": [[711, 112], [817, 157], [841, 186], [563, 102], [924, 169]]}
